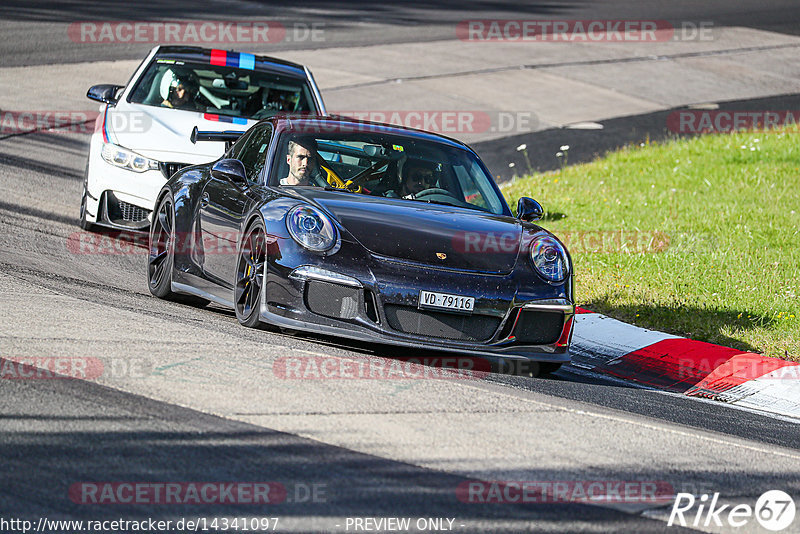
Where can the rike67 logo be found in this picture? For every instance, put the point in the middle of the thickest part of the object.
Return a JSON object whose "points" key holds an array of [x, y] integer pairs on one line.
{"points": [[774, 510]]}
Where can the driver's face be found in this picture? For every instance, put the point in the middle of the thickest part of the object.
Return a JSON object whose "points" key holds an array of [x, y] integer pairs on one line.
{"points": [[301, 162], [419, 180], [181, 95]]}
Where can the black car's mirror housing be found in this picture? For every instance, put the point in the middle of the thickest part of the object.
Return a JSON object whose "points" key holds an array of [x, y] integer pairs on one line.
{"points": [[529, 210], [231, 170], [105, 93]]}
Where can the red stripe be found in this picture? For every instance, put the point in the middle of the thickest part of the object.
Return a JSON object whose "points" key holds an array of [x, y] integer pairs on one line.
{"points": [[566, 334], [735, 372], [578, 310], [219, 57], [211, 117], [672, 364]]}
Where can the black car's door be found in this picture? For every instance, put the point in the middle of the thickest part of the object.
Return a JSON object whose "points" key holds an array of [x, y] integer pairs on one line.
{"points": [[224, 204]]}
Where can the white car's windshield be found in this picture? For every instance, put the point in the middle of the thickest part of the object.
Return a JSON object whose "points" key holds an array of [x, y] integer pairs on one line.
{"points": [[221, 90]]}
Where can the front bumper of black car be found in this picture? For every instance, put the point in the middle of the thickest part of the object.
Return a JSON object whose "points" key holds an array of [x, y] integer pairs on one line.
{"points": [[379, 302]]}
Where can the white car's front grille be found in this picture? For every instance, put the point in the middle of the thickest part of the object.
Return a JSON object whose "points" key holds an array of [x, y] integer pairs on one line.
{"points": [[131, 213]]}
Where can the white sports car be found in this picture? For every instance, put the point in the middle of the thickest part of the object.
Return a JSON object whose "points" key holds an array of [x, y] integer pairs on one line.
{"points": [[142, 133]]}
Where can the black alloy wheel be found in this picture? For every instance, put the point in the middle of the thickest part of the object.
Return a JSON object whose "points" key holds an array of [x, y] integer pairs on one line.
{"points": [[250, 275]]}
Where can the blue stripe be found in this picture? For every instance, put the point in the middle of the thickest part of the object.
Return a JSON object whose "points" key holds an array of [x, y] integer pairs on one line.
{"points": [[247, 61], [239, 120], [232, 59]]}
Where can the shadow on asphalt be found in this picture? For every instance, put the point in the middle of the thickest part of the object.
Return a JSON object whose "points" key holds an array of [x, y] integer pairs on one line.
{"points": [[106, 436]]}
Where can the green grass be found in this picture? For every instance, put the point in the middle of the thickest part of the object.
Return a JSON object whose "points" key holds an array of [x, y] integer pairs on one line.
{"points": [[712, 228]]}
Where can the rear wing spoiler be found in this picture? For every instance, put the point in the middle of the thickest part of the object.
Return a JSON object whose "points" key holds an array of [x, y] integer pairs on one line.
{"points": [[228, 136]]}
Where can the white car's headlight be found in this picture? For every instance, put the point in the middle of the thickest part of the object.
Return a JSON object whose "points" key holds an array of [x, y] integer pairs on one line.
{"points": [[549, 257], [312, 228], [127, 159]]}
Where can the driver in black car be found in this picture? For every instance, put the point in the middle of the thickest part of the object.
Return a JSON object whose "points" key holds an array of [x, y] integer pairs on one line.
{"points": [[301, 157], [418, 176]]}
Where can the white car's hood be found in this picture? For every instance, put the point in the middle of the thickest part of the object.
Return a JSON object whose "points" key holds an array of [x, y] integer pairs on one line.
{"points": [[163, 133]]}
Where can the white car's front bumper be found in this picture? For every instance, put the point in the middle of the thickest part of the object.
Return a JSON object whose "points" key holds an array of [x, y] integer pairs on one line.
{"points": [[119, 198]]}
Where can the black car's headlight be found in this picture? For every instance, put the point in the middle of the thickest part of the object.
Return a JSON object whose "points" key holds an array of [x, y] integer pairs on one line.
{"points": [[127, 159], [549, 258], [311, 228]]}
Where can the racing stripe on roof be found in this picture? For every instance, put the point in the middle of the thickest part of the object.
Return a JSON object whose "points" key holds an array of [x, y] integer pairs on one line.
{"points": [[224, 58], [247, 61], [219, 57], [224, 118]]}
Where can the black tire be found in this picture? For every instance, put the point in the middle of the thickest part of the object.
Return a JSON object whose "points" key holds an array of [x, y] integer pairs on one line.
{"points": [[161, 247], [528, 368], [250, 269], [161, 256], [546, 368]]}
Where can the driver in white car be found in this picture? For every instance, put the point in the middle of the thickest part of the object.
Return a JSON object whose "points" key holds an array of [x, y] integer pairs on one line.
{"points": [[181, 92]]}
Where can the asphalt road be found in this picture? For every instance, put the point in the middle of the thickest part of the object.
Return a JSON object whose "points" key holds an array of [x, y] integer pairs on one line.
{"points": [[189, 395], [34, 31], [207, 404]]}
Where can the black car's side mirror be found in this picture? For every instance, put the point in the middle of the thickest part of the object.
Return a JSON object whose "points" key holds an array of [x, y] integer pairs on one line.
{"points": [[231, 170], [105, 93], [529, 210]]}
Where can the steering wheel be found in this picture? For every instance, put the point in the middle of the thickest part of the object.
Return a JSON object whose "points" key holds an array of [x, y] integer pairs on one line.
{"points": [[434, 191]]}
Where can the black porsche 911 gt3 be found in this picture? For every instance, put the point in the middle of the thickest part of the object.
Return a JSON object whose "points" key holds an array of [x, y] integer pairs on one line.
{"points": [[364, 231]]}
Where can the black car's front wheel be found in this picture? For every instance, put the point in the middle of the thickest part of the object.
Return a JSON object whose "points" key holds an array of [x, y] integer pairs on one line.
{"points": [[162, 250], [250, 275]]}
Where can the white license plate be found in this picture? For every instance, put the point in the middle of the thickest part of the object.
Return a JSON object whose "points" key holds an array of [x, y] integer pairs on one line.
{"points": [[444, 301]]}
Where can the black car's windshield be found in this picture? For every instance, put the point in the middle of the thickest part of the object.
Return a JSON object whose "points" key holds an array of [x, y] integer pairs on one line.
{"points": [[221, 90], [386, 165]]}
